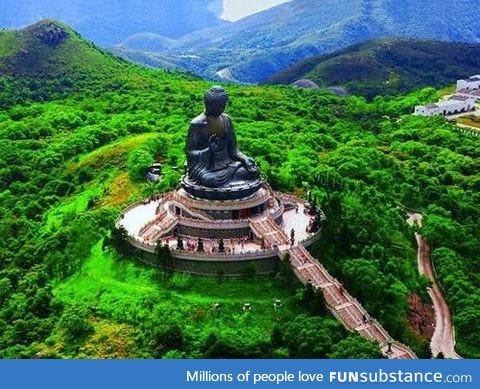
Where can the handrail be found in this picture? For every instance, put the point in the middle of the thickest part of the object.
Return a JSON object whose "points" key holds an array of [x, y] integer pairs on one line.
{"points": [[152, 222]]}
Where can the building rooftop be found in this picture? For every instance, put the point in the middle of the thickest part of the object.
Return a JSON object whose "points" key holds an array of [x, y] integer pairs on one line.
{"points": [[474, 78], [469, 92], [460, 98], [448, 103]]}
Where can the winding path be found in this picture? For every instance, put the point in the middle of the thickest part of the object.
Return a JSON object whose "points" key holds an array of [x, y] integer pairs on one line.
{"points": [[443, 339]]}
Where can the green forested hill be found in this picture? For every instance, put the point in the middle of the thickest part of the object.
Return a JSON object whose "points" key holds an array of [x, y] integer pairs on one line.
{"points": [[386, 67], [71, 161], [49, 60], [51, 49]]}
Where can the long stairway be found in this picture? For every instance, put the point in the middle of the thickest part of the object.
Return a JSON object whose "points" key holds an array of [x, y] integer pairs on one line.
{"points": [[343, 306]]}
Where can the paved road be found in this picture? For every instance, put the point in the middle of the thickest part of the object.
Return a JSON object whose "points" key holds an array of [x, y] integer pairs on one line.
{"points": [[443, 339]]}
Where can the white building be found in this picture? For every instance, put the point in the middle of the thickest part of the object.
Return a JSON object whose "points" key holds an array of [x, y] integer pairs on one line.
{"points": [[455, 105], [471, 83]]}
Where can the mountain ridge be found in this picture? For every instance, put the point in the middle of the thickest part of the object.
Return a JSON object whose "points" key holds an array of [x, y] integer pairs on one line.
{"points": [[256, 47]]}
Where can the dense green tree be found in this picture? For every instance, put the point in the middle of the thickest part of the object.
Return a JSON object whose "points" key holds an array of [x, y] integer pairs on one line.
{"points": [[138, 163], [75, 325], [311, 337], [285, 273], [314, 300], [355, 347], [168, 338]]}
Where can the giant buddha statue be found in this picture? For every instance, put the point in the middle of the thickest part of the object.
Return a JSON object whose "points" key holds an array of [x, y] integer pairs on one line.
{"points": [[216, 169]]}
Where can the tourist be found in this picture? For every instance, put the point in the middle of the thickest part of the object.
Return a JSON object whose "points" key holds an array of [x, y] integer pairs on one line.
{"points": [[365, 319]]}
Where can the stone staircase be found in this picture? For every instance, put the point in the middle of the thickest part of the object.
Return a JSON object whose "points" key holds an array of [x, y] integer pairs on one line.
{"points": [[343, 306], [267, 229], [158, 228]]}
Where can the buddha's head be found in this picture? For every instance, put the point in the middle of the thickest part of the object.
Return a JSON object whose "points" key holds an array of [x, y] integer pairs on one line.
{"points": [[216, 99]]}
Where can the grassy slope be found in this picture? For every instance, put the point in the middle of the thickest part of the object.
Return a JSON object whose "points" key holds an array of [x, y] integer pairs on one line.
{"points": [[31, 70], [388, 66], [115, 191], [127, 293]]}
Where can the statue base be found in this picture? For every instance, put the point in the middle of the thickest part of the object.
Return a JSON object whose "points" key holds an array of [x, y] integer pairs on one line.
{"points": [[255, 230], [236, 191]]}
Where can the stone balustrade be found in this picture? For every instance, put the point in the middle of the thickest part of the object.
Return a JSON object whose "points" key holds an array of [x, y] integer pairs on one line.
{"points": [[153, 222], [199, 256], [213, 225], [195, 212]]}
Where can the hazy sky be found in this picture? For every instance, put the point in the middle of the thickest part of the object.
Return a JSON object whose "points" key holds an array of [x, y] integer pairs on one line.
{"points": [[237, 9]]}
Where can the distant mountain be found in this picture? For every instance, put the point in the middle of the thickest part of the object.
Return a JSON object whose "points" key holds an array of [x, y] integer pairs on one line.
{"points": [[255, 48], [148, 42], [384, 67], [108, 22]]}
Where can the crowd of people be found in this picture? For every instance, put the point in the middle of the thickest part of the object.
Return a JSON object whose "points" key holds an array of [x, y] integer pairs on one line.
{"points": [[211, 246]]}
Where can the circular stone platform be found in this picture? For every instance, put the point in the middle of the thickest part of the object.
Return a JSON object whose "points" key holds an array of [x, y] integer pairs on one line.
{"points": [[221, 236], [234, 191]]}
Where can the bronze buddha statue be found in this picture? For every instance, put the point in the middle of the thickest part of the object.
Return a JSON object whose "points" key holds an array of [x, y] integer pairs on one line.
{"points": [[216, 169]]}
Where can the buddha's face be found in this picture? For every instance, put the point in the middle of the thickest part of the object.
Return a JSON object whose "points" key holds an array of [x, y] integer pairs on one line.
{"points": [[215, 108]]}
